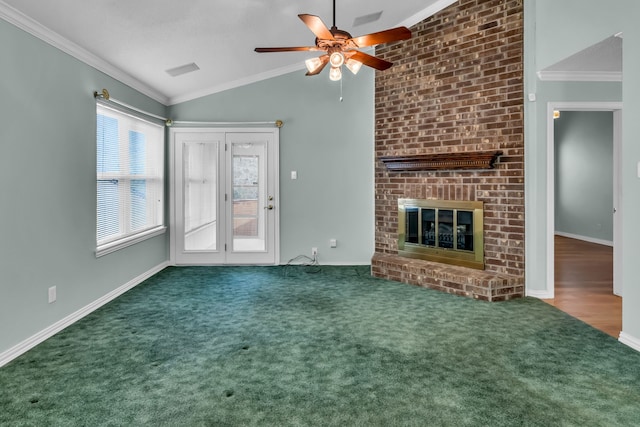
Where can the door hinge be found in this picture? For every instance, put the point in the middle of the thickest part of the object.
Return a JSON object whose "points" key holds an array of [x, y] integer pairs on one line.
{"points": [[225, 197], [225, 247]]}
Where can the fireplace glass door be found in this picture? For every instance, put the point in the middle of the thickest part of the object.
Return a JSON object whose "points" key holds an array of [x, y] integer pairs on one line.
{"points": [[450, 231], [464, 227], [428, 227]]}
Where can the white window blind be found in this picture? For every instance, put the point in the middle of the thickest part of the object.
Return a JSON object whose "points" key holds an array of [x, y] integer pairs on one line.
{"points": [[130, 179]]}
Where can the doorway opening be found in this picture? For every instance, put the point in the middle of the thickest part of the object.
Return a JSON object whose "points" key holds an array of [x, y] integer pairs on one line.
{"points": [[569, 241]]}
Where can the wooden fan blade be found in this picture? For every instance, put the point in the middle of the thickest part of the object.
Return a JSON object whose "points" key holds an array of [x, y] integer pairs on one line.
{"points": [[325, 61], [286, 49], [316, 26], [371, 61], [394, 34]]}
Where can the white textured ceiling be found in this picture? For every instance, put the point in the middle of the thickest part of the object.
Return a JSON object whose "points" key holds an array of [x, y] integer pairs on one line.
{"points": [[138, 40]]}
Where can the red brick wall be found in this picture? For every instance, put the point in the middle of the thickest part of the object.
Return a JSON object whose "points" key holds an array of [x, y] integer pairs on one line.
{"points": [[457, 85]]}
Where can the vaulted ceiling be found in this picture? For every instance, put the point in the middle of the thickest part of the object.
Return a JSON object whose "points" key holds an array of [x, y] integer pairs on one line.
{"points": [[144, 42]]}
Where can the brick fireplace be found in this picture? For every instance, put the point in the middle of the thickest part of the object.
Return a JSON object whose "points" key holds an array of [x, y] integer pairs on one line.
{"points": [[456, 89]]}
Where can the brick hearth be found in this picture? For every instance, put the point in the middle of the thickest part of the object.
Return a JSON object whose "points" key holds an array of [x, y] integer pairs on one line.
{"points": [[456, 86]]}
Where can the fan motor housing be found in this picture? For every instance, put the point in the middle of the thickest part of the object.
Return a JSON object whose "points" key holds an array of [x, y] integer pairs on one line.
{"points": [[341, 39]]}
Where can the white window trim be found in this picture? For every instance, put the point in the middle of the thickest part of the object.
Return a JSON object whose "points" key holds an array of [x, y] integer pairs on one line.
{"points": [[110, 247], [123, 242]]}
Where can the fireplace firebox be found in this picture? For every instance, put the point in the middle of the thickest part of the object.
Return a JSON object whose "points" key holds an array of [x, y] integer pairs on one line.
{"points": [[445, 231]]}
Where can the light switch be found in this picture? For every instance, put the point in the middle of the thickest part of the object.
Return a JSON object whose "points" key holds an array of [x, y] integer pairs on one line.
{"points": [[294, 175], [52, 294]]}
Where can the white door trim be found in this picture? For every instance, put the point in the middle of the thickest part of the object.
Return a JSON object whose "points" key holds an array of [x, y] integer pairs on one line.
{"points": [[616, 108], [274, 155]]}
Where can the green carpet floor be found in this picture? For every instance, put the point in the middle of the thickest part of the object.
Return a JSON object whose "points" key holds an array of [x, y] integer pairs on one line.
{"points": [[332, 346]]}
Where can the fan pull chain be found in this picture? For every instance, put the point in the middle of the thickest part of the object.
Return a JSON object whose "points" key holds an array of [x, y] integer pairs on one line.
{"points": [[341, 89]]}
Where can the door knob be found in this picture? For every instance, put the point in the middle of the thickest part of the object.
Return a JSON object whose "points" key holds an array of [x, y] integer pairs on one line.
{"points": [[270, 207]]}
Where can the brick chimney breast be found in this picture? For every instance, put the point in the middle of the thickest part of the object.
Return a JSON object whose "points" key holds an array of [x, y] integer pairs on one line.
{"points": [[456, 86]]}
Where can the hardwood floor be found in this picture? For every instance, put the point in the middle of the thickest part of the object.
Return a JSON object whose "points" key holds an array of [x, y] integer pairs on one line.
{"points": [[584, 284]]}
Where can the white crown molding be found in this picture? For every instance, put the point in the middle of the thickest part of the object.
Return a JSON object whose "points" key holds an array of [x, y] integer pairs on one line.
{"points": [[580, 76], [52, 38], [48, 332], [237, 83]]}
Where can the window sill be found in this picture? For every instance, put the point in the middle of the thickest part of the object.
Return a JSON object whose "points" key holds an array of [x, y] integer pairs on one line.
{"points": [[110, 247]]}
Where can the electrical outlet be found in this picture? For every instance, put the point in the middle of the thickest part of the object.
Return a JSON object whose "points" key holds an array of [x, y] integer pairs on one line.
{"points": [[314, 251], [52, 294]]}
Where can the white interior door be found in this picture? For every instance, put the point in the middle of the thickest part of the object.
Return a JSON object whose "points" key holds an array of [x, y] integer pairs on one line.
{"points": [[224, 196]]}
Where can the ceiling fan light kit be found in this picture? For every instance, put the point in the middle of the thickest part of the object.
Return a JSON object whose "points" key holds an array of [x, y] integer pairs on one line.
{"points": [[340, 48], [335, 74], [313, 64], [353, 65], [336, 59]]}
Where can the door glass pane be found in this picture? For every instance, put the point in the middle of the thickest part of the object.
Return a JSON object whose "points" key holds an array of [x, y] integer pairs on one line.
{"points": [[200, 169], [248, 196], [465, 231], [411, 224], [445, 228], [428, 227]]}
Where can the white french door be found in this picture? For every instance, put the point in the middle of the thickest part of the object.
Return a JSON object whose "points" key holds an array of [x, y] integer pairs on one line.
{"points": [[224, 196]]}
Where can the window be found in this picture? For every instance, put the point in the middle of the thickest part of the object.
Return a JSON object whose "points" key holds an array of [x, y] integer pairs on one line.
{"points": [[130, 179]]}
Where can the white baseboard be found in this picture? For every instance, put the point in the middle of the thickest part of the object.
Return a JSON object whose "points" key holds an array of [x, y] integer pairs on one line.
{"points": [[629, 340], [539, 293], [26, 345], [585, 238]]}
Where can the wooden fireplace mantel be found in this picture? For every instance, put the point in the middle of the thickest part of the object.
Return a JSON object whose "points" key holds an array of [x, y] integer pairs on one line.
{"points": [[442, 161]]}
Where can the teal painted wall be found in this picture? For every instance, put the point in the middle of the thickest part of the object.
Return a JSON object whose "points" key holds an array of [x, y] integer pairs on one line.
{"points": [[328, 142], [47, 166], [584, 174], [48, 196], [556, 30]]}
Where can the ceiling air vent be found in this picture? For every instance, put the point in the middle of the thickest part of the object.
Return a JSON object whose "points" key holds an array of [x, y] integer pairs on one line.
{"points": [[183, 69], [366, 19]]}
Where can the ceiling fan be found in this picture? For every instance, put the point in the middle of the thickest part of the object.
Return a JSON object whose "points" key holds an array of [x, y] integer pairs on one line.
{"points": [[340, 48]]}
